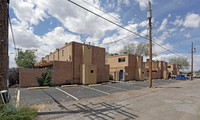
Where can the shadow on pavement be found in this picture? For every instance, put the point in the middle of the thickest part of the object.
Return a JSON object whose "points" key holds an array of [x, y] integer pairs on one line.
{"points": [[59, 105], [170, 87], [102, 111]]}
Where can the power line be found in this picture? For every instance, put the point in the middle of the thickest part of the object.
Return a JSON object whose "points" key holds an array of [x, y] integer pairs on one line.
{"points": [[118, 40], [120, 26], [105, 19], [12, 34]]}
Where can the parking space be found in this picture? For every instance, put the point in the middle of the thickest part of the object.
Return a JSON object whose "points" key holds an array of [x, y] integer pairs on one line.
{"points": [[57, 94]]}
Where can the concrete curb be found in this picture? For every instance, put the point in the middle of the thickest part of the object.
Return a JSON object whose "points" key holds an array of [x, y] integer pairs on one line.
{"points": [[69, 85], [94, 85], [33, 88]]}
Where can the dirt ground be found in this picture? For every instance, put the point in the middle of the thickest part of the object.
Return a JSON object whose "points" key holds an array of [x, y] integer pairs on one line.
{"points": [[174, 101]]}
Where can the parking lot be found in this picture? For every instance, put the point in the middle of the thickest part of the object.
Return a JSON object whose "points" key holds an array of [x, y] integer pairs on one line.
{"points": [[25, 97]]}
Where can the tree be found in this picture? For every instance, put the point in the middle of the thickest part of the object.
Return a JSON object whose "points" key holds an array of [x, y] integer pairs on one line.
{"points": [[139, 49], [13, 76], [26, 59], [107, 54], [181, 62]]}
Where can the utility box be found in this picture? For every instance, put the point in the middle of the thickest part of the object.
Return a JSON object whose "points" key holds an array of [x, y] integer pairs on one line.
{"points": [[88, 74]]}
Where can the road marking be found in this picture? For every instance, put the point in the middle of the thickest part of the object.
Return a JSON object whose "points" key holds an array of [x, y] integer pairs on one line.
{"points": [[67, 93], [69, 85], [97, 90], [115, 87], [18, 98]]}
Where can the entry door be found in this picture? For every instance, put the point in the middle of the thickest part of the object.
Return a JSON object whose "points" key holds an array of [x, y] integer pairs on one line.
{"points": [[121, 74]]}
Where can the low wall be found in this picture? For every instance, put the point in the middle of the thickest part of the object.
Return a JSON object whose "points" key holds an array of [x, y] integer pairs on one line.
{"points": [[28, 77]]}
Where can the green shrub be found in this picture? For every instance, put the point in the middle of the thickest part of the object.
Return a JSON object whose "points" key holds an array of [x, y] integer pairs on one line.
{"points": [[110, 77], [9, 112], [45, 79]]}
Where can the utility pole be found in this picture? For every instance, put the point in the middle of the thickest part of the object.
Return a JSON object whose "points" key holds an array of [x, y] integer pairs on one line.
{"points": [[4, 49], [192, 62], [149, 16], [3, 44]]}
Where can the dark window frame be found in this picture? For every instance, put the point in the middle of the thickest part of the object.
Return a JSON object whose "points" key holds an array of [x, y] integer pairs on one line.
{"points": [[122, 59]]}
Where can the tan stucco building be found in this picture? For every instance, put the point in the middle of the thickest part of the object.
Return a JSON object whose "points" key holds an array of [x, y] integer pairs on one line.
{"points": [[159, 70], [173, 69], [76, 63], [126, 67]]}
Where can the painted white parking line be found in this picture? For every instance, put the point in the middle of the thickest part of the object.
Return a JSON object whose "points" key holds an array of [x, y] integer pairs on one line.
{"points": [[67, 93], [115, 87], [18, 98], [96, 90]]}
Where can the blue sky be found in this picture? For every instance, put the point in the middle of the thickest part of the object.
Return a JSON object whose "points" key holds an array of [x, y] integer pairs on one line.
{"points": [[47, 24]]}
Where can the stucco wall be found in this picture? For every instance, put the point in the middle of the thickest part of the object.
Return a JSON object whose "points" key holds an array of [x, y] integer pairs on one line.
{"points": [[28, 77], [62, 72]]}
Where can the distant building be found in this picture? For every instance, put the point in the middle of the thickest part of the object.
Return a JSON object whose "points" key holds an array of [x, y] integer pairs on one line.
{"points": [[126, 67], [76, 63], [173, 69], [159, 70]]}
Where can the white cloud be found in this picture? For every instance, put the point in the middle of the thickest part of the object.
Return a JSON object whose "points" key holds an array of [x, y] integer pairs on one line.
{"points": [[26, 39], [143, 3], [187, 35], [23, 35], [182, 29], [169, 15], [192, 20], [144, 23], [178, 21], [117, 46], [26, 11], [163, 25], [172, 30]]}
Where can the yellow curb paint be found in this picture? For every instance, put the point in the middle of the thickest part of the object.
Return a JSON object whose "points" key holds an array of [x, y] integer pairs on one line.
{"points": [[32, 88], [94, 85], [67, 93], [69, 85], [18, 98]]}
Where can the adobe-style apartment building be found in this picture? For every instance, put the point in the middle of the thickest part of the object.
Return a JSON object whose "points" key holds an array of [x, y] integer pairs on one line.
{"points": [[159, 70], [126, 67], [173, 69], [76, 63]]}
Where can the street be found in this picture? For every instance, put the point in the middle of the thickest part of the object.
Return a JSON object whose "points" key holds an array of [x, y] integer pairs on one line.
{"points": [[174, 101]]}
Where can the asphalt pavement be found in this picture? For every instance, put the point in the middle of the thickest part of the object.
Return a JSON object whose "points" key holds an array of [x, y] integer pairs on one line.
{"points": [[25, 97]]}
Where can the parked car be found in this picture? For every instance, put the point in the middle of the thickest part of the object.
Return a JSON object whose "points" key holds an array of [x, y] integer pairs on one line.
{"points": [[187, 77]]}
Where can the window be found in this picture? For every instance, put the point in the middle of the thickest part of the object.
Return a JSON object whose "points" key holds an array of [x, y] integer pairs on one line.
{"points": [[121, 59], [168, 66], [53, 57], [91, 71], [62, 52]]}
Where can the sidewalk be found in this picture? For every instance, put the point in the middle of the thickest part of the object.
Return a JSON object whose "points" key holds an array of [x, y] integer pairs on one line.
{"points": [[176, 101]]}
